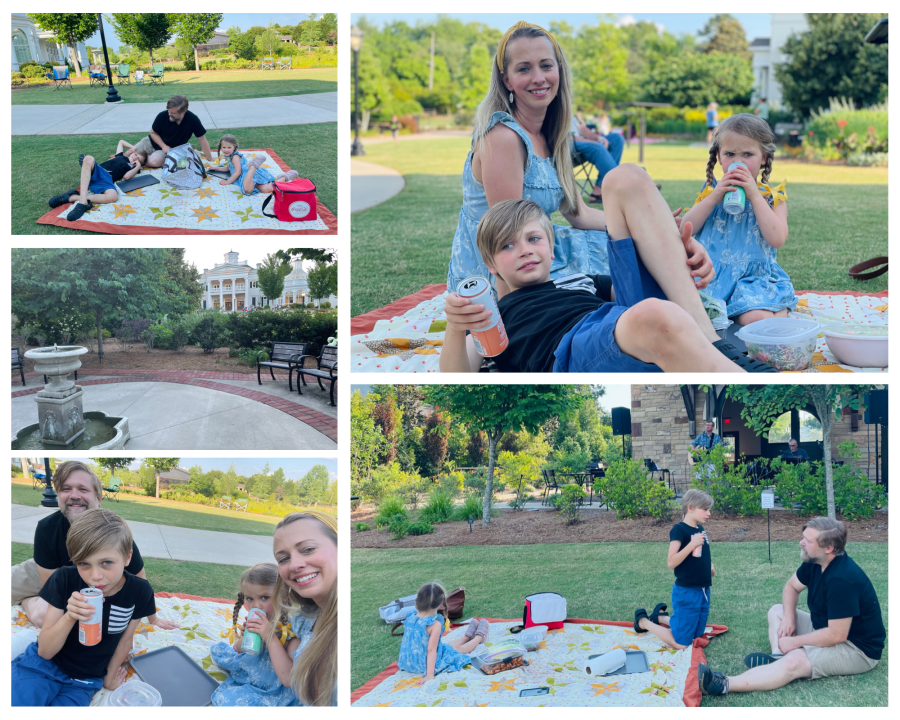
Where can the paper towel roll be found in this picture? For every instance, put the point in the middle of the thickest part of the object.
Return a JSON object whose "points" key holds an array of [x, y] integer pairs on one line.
{"points": [[604, 664]]}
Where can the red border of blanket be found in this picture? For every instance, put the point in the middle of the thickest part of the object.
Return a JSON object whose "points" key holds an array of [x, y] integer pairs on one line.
{"points": [[50, 218], [690, 696], [366, 322], [184, 596]]}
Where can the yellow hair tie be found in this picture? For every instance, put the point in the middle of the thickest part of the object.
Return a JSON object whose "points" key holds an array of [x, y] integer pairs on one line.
{"points": [[286, 632], [778, 193], [501, 48], [707, 190]]}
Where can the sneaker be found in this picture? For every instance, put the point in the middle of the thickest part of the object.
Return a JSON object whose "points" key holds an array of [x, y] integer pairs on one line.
{"points": [[81, 158], [710, 681], [741, 360], [78, 209], [62, 199], [758, 658]]}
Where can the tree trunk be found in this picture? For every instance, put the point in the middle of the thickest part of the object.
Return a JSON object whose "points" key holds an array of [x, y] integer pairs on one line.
{"points": [[151, 59], [156, 473], [364, 116], [75, 59], [25, 473], [493, 437], [100, 335], [196, 60], [826, 417]]}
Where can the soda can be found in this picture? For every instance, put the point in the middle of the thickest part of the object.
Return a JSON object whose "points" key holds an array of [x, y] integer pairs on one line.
{"points": [[252, 642], [698, 551], [736, 198], [90, 632], [490, 340]]}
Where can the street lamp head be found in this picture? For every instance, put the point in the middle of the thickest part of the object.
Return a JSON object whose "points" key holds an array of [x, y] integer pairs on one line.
{"points": [[356, 38]]}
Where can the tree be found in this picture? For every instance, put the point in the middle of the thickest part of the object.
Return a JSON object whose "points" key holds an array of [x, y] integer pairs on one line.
{"points": [[159, 465], [144, 31], [185, 277], [476, 77], [762, 405], [386, 416], [599, 56], [366, 441], [113, 464], [196, 28], [326, 255], [271, 275], [72, 28], [268, 42], [497, 408], [726, 35], [831, 60], [373, 86], [201, 483], [308, 31], [434, 441], [696, 79], [322, 280], [242, 45], [328, 25], [314, 485]]}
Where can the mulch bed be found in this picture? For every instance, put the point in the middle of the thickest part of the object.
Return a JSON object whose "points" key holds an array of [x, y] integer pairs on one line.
{"points": [[547, 526]]}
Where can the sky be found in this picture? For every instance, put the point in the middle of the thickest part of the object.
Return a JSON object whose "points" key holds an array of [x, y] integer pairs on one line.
{"points": [[755, 24], [206, 255], [294, 468]]}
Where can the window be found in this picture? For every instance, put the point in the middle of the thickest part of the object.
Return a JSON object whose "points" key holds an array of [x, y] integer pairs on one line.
{"points": [[810, 428], [20, 43]]}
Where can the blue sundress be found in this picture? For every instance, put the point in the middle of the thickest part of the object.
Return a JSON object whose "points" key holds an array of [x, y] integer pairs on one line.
{"points": [[414, 648], [575, 251], [260, 177], [747, 274]]}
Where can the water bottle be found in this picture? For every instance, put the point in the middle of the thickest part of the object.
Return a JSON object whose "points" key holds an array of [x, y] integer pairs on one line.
{"points": [[252, 642], [736, 197]]}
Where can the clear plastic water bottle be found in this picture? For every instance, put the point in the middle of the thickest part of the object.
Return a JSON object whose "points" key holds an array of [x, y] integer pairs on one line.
{"points": [[735, 198]]}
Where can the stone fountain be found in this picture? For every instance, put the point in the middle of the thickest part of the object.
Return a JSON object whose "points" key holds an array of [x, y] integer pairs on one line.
{"points": [[62, 423]]}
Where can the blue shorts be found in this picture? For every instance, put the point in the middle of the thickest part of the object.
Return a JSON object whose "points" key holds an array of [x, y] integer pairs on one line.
{"points": [[37, 682], [591, 346], [690, 611], [101, 180]]}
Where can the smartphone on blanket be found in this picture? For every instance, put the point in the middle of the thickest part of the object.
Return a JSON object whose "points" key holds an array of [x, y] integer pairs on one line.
{"points": [[533, 692]]}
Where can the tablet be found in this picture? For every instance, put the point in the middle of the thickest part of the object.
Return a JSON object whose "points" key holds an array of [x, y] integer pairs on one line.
{"points": [[140, 181]]}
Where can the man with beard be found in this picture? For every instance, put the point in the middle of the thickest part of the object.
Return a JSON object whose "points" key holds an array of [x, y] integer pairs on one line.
{"points": [[78, 489], [842, 634], [171, 128]]}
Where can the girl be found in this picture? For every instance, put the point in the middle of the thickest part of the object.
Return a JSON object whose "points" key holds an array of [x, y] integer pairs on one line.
{"points": [[712, 120], [252, 679], [251, 178], [743, 246], [421, 650]]}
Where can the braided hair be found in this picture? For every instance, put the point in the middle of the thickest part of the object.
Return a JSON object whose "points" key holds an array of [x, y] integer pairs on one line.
{"points": [[750, 126], [231, 140], [264, 574]]}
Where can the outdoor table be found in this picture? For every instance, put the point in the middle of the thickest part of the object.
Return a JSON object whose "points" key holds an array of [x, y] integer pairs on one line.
{"points": [[580, 478]]}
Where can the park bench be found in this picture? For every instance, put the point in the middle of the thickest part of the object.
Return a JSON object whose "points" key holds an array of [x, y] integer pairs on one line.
{"points": [[123, 74], [284, 63], [97, 76], [326, 369], [284, 356], [61, 77], [111, 489], [241, 505], [225, 502], [17, 363], [158, 75]]}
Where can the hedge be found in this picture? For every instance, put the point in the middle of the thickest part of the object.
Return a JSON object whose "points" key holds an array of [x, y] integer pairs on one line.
{"points": [[266, 327]]}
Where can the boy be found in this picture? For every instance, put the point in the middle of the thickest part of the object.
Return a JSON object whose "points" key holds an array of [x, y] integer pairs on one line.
{"points": [[622, 323], [58, 670], [690, 558]]}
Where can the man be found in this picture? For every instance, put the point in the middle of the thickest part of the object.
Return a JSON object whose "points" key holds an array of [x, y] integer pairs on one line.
{"points": [[78, 490], [708, 439], [795, 453], [762, 109], [176, 126], [842, 634], [604, 151]]}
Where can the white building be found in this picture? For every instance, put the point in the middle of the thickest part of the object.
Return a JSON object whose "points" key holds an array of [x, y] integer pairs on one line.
{"points": [[233, 285], [767, 53], [41, 46]]}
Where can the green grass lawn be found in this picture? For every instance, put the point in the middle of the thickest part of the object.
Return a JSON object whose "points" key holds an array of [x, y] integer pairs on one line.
{"points": [[838, 217], [196, 86], [311, 150], [607, 581], [167, 512], [191, 578]]}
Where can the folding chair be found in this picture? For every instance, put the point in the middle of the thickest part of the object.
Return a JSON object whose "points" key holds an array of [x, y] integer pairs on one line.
{"points": [[138, 77], [124, 74], [157, 77], [98, 78], [284, 63], [225, 502], [268, 63], [38, 481], [61, 77], [241, 505], [111, 489], [584, 169]]}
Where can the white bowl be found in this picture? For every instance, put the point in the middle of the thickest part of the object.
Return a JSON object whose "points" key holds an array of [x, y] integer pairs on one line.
{"points": [[858, 345]]}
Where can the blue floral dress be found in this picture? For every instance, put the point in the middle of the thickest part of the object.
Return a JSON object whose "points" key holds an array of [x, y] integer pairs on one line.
{"points": [[574, 250], [414, 648], [252, 681], [747, 274], [260, 177]]}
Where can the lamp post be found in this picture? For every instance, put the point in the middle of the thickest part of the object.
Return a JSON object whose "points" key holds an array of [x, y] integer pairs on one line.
{"points": [[49, 498], [356, 40], [112, 96]]}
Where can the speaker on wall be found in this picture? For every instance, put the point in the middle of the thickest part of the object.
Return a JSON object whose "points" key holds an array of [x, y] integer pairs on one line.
{"points": [[876, 407], [621, 421]]}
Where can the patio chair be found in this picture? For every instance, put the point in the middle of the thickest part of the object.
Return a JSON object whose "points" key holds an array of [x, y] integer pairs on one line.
{"points": [[157, 77], [61, 77], [584, 169], [241, 505], [596, 474], [111, 489], [225, 502], [123, 74], [550, 483], [18, 363], [284, 63], [138, 77], [98, 77], [268, 63]]}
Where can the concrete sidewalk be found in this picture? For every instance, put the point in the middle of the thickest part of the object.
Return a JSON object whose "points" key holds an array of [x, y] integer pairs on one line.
{"points": [[165, 541], [138, 117], [372, 184]]}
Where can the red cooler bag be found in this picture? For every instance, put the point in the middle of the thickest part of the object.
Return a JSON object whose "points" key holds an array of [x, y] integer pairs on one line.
{"points": [[294, 201], [547, 608]]}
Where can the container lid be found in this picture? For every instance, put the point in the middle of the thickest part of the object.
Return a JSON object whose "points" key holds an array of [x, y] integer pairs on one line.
{"points": [[856, 331], [779, 331], [135, 694]]}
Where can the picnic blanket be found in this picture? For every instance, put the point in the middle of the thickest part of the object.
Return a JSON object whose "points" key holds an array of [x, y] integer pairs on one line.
{"points": [[210, 209], [204, 622], [671, 682], [407, 335]]}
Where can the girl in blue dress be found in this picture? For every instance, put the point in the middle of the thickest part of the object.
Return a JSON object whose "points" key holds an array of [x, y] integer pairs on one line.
{"points": [[252, 680], [248, 175], [421, 650], [743, 247]]}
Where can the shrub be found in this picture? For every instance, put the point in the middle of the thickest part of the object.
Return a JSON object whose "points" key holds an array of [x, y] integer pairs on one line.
{"points": [[389, 509], [34, 71], [451, 482], [519, 502], [132, 329], [471, 508], [389, 480], [420, 528], [729, 485], [210, 332], [310, 304], [439, 507], [16, 471], [568, 505], [248, 356], [156, 336], [868, 159], [362, 527], [629, 489], [826, 128], [325, 305], [253, 329]]}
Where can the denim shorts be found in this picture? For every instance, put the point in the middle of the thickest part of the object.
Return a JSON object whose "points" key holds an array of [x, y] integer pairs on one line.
{"points": [[690, 611], [39, 682], [101, 180], [591, 346]]}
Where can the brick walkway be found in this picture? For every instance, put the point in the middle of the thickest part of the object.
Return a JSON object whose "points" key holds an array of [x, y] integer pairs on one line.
{"points": [[320, 421]]}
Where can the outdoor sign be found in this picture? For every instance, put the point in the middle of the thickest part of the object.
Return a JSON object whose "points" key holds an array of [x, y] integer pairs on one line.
{"points": [[768, 499]]}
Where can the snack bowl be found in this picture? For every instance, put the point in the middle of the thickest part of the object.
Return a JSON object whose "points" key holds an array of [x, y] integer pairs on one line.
{"points": [[858, 345], [134, 694], [498, 664], [532, 637], [783, 343]]}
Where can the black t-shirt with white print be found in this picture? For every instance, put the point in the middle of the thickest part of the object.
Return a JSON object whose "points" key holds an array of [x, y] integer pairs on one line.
{"points": [[134, 600]]}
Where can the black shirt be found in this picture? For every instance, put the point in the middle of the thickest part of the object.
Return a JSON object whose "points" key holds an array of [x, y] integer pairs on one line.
{"points": [[537, 318], [134, 600], [50, 545], [799, 455], [693, 571], [117, 166], [174, 134], [845, 591]]}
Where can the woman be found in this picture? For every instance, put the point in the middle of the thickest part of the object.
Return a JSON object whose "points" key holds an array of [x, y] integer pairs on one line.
{"points": [[305, 548]]}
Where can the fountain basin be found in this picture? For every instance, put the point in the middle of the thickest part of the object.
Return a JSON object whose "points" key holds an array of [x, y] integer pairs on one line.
{"points": [[101, 432], [57, 363]]}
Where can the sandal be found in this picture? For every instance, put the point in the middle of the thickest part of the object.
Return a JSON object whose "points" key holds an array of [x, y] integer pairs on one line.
{"points": [[741, 360], [595, 199], [638, 614], [78, 209], [657, 611]]}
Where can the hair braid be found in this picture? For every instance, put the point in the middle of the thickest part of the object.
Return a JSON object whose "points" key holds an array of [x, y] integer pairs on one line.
{"points": [[710, 166], [237, 608], [766, 170]]}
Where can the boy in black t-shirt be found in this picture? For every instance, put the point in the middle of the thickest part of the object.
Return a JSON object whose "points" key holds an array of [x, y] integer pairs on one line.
{"points": [[690, 558], [58, 670]]}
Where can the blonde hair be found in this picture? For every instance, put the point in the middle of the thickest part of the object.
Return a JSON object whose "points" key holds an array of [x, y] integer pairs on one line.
{"points": [[557, 121], [314, 675], [831, 533], [94, 530], [179, 102], [231, 140], [431, 596], [64, 469], [264, 574], [695, 498], [750, 126], [505, 220]]}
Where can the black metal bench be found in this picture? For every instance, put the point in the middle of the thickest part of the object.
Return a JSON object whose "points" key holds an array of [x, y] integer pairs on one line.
{"points": [[326, 369], [284, 356], [18, 363]]}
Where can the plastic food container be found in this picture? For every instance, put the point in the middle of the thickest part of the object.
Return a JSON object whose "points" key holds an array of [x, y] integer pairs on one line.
{"points": [[135, 694], [783, 343], [492, 667], [533, 637], [858, 345], [721, 325]]}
